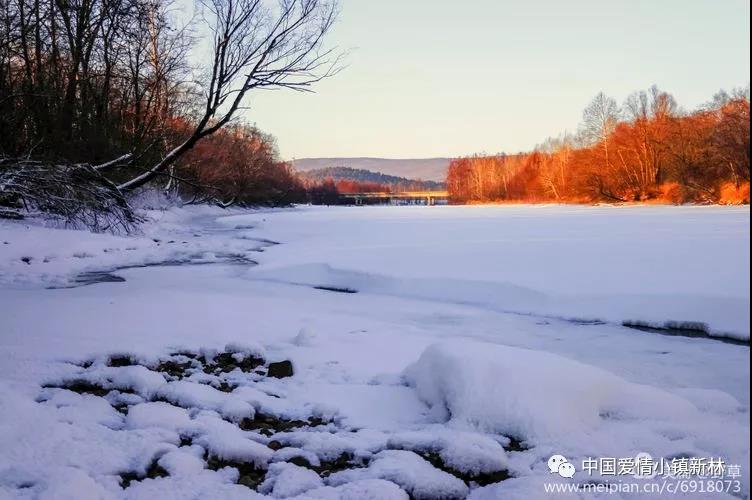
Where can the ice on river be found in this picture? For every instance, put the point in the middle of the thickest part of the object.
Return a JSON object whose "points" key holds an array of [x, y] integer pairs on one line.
{"points": [[435, 349]]}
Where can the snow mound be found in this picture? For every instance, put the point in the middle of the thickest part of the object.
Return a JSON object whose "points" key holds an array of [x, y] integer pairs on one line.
{"points": [[245, 350], [202, 484], [227, 442], [183, 463], [71, 483], [285, 480], [74, 407], [188, 394], [528, 394], [306, 338], [466, 452], [414, 474], [157, 414], [290, 452], [366, 489], [328, 446], [136, 378]]}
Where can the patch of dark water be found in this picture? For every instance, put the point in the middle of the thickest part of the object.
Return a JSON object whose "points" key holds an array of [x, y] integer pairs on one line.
{"points": [[683, 329]]}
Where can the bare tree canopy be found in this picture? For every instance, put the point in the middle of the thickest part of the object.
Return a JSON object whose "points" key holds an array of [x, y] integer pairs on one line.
{"points": [[100, 94], [256, 46], [599, 118]]}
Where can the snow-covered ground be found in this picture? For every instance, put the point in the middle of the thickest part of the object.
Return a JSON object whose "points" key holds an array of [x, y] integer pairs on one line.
{"points": [[480, 342]]}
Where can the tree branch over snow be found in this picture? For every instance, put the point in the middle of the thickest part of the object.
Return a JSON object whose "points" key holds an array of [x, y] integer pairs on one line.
{"points": [[77, 193], [256, 46]]}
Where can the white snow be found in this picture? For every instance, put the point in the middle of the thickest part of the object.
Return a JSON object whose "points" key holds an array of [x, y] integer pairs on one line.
{"points": [[635, 263], [227, 442], [329, 446], [457, 340], [466, 452], [528, 394], [188, 394], [204, 484], [548, 401], [30, 254], [137, 378], [365, 489], [411, 472], [157, 414], [286, 480]]}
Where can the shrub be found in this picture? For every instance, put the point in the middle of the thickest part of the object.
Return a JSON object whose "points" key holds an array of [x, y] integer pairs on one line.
{"points": [[731, 194]]}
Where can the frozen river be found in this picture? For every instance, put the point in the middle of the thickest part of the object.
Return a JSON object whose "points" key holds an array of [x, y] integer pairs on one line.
{"points": [[465, 330], [652, 264]]}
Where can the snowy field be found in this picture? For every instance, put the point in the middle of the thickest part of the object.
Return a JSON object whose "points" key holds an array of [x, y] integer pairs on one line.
{"points": [[438, 352]]}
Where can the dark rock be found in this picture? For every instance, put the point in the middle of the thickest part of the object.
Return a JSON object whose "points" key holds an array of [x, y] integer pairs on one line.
{"points": [[300, 462], [85, 363], [483, 479], [224, 386], [81, 387], [274, 445], [280, 369], [251, 480], [226, 362], [121, 408], [120, 361], [344, 461], [152, 472], [269, 424], [173, 368], [248, 476], [156, 470], [126, 478], [314, 421], [516, 445]]}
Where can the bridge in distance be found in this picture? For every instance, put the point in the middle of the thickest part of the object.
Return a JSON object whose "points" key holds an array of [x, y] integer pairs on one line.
{"points": [[403, 198]]}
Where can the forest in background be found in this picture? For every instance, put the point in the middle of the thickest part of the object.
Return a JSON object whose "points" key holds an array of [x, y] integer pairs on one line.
{"points": [[647, 150], [99, 98], [358, 180]]}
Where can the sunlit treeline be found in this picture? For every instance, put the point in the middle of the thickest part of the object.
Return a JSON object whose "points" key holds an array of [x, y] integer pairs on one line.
{"points": [[87, 81], [647, 149]]}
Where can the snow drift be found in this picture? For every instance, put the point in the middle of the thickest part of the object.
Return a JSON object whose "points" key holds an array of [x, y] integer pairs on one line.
{"points": [[528, 394], [724, 317]]}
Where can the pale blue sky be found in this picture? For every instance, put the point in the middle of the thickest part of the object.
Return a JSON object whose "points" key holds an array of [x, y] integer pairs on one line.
{"points": [[447, 78]]}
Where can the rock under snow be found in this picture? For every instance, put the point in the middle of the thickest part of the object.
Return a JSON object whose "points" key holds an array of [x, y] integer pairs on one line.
{"points": [[284, 480], [411, 472]]}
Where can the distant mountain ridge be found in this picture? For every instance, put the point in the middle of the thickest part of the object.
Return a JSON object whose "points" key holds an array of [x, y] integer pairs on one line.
{"points": [[366, 176], [428, 169]]}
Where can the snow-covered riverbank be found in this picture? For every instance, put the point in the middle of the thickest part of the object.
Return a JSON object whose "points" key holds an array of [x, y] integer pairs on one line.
{"points": [[460, 342]]}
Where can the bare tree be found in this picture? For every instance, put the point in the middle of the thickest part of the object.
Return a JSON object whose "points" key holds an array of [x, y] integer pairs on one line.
{"points": [[255, 46], [599, 119], [642, 153]]}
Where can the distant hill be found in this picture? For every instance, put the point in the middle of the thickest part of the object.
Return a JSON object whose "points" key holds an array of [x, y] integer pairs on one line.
{"points": [[429, 169], [367, 176]]}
